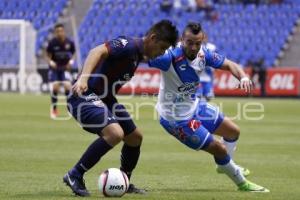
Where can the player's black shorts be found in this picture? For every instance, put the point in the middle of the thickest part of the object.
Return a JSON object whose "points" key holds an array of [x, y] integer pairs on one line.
{"points": [[93, 115], [57, 75]]}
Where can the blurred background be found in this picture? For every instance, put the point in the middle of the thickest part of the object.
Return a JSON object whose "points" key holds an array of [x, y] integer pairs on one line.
{"points": [[262, 35]]}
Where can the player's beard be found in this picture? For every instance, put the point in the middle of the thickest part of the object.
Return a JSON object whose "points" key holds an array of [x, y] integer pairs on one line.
{"points": [[191, 56]]}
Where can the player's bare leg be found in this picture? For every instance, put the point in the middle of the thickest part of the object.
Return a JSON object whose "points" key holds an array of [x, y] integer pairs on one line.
{"points": [[230, 133], [54, 89], [130, 156], [111, 135], [226, 164]]}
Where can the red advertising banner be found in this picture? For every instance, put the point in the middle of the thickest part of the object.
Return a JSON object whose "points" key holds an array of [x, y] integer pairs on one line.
{"points": [[144, 81], [225, 84], [279, 82], [283, 82]]}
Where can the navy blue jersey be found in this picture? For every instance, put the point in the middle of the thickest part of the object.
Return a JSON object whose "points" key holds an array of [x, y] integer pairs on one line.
{"points": [[61, 52], [125, 53]]}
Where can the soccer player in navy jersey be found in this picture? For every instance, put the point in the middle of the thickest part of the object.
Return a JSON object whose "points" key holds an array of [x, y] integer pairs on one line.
{"points": [[94, 105], [60, 57]]}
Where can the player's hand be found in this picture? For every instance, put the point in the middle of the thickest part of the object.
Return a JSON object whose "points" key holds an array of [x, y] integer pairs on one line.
{"points": [[70, 65], [53, 64], [80, 86], [246, 84]]}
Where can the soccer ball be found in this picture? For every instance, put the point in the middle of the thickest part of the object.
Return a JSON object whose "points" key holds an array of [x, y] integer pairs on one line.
{"points": [[113, 183]]}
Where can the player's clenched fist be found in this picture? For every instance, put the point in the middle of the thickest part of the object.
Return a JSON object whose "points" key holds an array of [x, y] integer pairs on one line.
{"points": [[246, 84], [52, 64]]}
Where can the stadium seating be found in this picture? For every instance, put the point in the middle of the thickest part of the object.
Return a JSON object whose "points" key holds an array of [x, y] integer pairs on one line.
{"points": [[242, 32], [43, 14]]}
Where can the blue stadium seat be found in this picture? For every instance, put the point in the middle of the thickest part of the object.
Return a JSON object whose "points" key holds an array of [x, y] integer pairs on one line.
{"points": [[241, 32], [43, 14]]}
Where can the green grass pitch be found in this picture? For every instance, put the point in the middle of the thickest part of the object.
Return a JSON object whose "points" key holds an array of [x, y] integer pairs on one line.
{"points": [[36, 151]]}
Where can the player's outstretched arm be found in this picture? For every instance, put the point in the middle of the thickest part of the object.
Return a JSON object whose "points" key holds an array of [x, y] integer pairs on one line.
{"points": [[94, 57], [238, 72]]}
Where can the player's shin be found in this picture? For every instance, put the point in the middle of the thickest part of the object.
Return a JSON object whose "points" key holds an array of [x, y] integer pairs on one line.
{"points": [[231, 169], [91, 156], [129, 158]]}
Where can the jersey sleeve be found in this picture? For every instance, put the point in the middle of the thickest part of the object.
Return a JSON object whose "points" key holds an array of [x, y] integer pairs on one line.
{"points": [[213, 59], [162, 62], [120, 47]]}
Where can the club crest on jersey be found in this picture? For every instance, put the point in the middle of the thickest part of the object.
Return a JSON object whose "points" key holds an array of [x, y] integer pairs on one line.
{"points": [[195, 139], [216, 57], [120, 42], [124, 42]]}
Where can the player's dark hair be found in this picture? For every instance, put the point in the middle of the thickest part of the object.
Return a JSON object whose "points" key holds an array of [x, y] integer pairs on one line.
{"points": [[194, 27], [165, 31], [59, 26]]}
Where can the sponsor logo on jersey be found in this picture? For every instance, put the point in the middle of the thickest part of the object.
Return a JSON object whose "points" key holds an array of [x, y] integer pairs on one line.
{"points": [[194, 124], [182, 67], [95, 100], [188, 87]]}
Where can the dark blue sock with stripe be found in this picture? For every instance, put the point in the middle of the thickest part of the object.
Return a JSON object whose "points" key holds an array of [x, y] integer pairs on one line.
{"points": [[90, 157], [129, 158]]}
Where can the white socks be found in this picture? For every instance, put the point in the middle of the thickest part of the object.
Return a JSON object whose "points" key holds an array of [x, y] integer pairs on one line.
{"points": [[233, 172], [230, 147]]}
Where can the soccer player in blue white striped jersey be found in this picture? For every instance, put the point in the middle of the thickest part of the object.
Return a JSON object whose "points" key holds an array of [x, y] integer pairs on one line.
{"points": [[194, 122]]}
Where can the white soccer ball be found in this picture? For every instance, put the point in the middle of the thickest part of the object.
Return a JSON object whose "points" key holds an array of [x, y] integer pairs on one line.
{"points": [[113, 183]]}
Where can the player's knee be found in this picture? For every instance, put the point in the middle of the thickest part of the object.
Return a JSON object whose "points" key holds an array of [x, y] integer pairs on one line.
{"points": [[113, 134], [235, 131], [117, 135], [55, 89], [67, 86], [134, 139], [138, 137]]}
